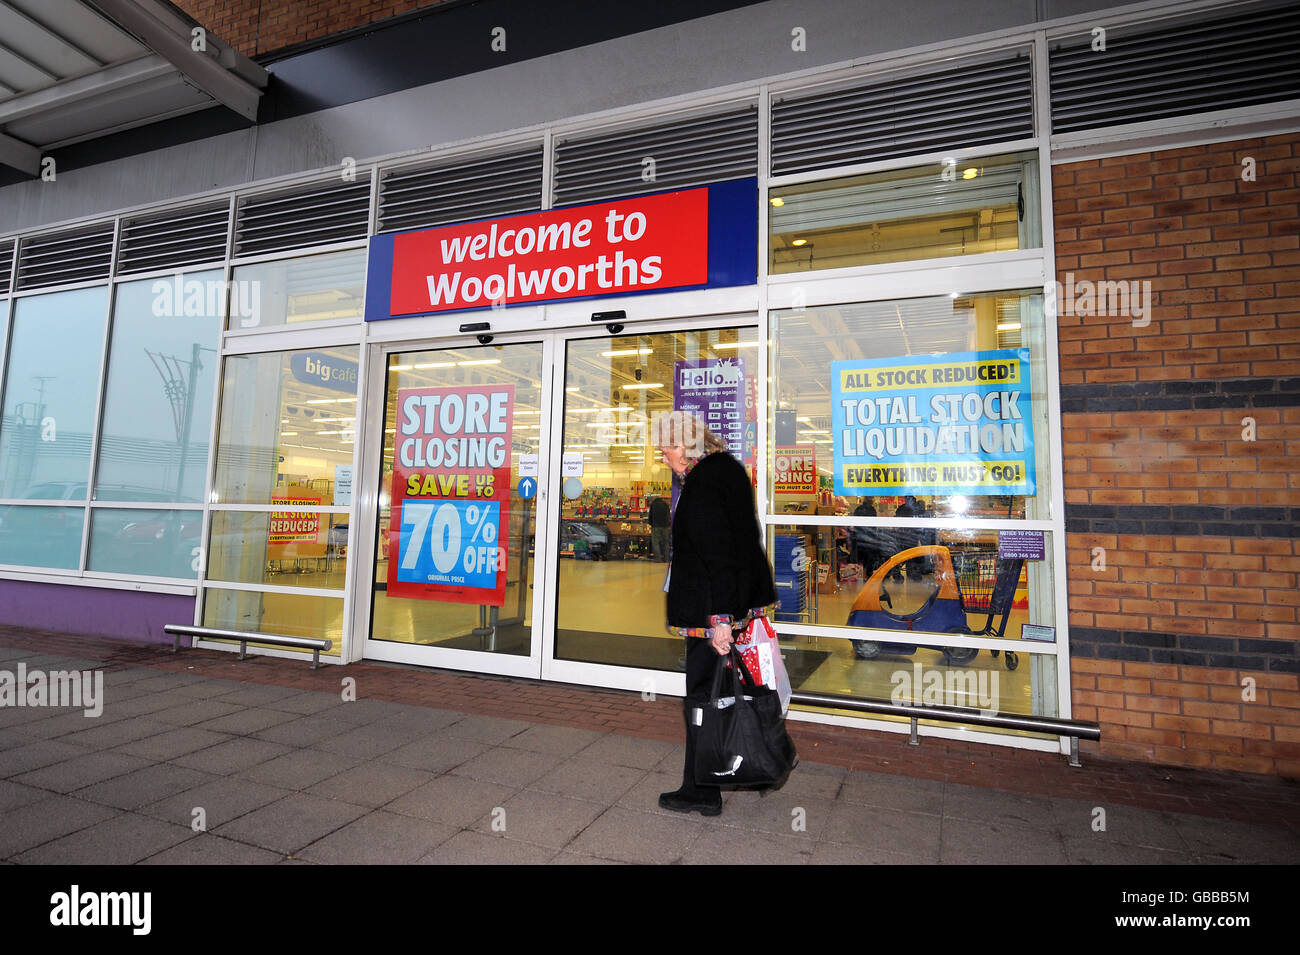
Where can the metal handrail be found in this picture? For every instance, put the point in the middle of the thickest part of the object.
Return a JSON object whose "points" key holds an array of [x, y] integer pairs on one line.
{"points": [[244, 638], [1074, 730]]}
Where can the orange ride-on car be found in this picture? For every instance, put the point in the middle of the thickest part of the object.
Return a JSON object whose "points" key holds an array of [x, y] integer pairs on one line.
{"points": [[942, 612]]}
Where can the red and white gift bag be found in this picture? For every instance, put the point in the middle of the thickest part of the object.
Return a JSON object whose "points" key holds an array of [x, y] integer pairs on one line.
{"points": [[759, 649]]}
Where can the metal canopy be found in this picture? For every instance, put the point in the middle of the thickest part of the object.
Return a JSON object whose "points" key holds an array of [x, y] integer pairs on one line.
{"points": [[72, 70]]}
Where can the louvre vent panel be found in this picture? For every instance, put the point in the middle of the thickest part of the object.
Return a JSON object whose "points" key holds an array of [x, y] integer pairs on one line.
{"points": [[174, 240], [324, 213], [973, 105], [79, 255], [460, 192], [6, 265], [686, 153], [1245, 60]]}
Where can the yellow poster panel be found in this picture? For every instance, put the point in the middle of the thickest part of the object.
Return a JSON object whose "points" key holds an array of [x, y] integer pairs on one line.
{"points": [[891, 379], [909, 477]]}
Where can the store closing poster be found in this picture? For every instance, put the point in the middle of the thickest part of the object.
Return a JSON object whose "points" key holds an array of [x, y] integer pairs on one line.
{"points": [[451, 494], [940, 424], [794, 470]]}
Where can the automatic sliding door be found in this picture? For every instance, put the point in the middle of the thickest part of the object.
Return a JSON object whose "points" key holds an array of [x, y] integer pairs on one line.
{"points": [[615, 489], [453, 562]]}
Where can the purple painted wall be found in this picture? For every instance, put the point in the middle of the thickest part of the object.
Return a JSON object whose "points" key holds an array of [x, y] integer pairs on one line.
{"points": [[121, 614]]}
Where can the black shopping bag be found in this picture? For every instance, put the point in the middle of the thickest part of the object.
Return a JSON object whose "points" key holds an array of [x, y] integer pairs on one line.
{"points": [[741, 737]]}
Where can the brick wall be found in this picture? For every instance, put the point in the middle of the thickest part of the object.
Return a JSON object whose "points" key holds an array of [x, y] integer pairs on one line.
{"points": [[262, 26], [1181, 427]]}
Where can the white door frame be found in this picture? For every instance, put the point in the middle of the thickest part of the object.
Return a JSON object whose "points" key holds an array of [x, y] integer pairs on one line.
{"points": [[541, 662], [477, 661]]}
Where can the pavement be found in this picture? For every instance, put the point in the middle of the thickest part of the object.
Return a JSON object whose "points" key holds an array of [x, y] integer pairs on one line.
{"points": [[200, 758]]}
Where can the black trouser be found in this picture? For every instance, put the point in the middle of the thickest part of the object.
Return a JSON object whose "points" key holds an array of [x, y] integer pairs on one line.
{"points": [[701, 663]]}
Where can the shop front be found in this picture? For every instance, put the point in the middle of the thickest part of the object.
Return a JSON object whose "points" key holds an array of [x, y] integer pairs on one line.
{"points": [[899, 441], [520, 513]]}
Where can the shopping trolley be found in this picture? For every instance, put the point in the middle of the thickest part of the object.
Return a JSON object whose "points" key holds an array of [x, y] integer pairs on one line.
{"points": [[992, 588], [988, 586]]}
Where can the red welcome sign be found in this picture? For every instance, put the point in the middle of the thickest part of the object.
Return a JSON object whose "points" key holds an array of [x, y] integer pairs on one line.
{"points": [[645, 243]]}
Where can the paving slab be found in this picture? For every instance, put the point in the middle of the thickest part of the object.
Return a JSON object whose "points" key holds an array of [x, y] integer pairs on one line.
{"points": [[725, 846], [509, 767], [124, 839], [13, 795], [633, 751], [219, 802], [245, 722], [47, 819], [554, 740], [96, 735], [963, 842], [197, 710], [543, 819], [455, 801], [371, 784], [299, 769], [378, 838], [81, 771], [305, 702], [486, 729], [1084, 850], [632, 836], [583, 778], [912, 834], [233, 756], [475, 848], [144, 786], [291, 824], [209, 849], [435, 754], [173, 743]]}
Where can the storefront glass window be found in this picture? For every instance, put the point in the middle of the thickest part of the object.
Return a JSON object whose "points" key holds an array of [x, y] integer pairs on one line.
{"points": [[912, 418], [158, 402], [313, 288], [153, 543], [42, 536], [295, 547], [51, 387], [293, 615], [288, 423], [956, 208], [924, 407], [616, 491]]}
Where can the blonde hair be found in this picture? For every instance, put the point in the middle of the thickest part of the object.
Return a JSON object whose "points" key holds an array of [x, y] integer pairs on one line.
{"points": [[673, 429]]}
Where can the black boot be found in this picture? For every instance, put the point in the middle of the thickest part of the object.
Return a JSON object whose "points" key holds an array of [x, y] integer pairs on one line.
{"points": [[692, 797]]}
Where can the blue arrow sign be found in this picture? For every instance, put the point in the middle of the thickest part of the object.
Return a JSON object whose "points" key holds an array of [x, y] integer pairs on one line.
{"points": [[527, 488]]}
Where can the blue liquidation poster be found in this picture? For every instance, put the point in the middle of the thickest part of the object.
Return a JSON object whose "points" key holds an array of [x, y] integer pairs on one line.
{"points": [[958, 423]]}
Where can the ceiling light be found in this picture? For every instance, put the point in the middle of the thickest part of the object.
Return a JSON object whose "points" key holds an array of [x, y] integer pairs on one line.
{"points": [[1009, 327], [400, 367], [970, 173], [436, 364], [799, 242], [777, 201], [643, 385], [480, 361], [736, 345], [626, 351]]}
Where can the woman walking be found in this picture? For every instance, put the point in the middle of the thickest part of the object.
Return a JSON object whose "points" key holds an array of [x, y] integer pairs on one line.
{"points": [[718, 578]]}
